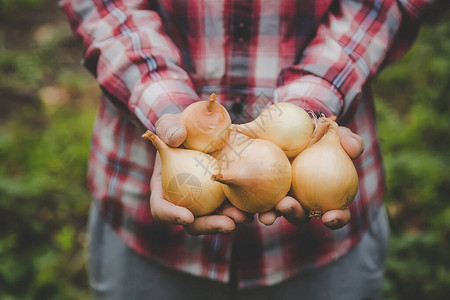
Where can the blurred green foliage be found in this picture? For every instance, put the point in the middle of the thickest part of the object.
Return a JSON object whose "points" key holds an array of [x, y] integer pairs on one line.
{"points": [[47, 109], [44, 204], [412, 98], [10, 5]]}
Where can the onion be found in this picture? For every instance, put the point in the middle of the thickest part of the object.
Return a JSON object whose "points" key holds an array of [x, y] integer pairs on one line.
{"points": [[323, 176], [206, 124], [256, 174], [236, 142], [186, 177], [286, 125]]}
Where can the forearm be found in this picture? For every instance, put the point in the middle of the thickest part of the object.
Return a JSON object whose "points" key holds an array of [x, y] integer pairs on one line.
{"points": [[133, 59], [350, 46]]}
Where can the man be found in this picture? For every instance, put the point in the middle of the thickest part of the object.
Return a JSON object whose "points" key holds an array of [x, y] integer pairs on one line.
{"points": [[152, 59]]}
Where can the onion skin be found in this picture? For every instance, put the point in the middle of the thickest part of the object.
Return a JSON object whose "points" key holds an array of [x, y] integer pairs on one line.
{"points": [[285, 124], [323, 176], [207, 124], [235, 144], [256, 175], [186, 177]]}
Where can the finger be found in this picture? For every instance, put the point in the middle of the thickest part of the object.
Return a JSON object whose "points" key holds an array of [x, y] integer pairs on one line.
{"points": [[335, 219], [170, 129], [235, 214], [352, 143], [292, 211], [268, 217], [210, 225], [161, 209], [167, 212]]}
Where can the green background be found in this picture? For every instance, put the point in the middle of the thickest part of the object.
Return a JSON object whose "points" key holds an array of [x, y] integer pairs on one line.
{"points": [[47, 108]]}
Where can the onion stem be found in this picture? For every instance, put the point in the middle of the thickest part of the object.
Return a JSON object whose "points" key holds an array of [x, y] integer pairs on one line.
{"points": [[156, 141], [219, 178], [211, 101], [323, 126], [315, 213]]}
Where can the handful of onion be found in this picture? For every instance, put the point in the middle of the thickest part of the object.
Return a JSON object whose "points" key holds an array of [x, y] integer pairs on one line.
{"points": [[324, 176], [255, 165]]}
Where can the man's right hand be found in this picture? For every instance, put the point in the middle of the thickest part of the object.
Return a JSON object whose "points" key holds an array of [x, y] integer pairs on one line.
{"points": [[170, 129]]}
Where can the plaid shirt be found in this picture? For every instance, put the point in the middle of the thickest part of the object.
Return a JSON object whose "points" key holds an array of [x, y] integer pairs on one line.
{"points": [[155, 57]]}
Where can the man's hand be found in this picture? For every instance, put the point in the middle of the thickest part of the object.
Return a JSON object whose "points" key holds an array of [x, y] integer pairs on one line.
{"points": [[173, 133], [291, 209]]}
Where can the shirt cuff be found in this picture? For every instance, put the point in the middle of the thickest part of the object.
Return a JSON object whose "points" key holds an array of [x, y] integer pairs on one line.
{"points": [[150, 102], [311, 93]]}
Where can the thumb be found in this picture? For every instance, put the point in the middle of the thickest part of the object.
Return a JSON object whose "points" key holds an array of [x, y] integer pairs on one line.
{"points": [[352, 143], [170, 129]]}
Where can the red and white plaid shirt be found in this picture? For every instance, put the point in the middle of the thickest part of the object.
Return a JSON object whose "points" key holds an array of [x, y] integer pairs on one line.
{"points": [[155, 57]]}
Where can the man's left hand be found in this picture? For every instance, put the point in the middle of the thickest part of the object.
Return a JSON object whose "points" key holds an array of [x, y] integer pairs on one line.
{"points": [[292, 210]]}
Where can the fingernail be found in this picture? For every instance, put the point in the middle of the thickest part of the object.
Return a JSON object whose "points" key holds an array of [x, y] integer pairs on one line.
{"points": [[181, 221], [332, 223], [223, 230], [360, 143], [170, 133], [291, 212]]}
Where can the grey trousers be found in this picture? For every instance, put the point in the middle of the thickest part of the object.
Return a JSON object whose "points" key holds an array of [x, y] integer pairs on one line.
{"points": [[117, 272]]}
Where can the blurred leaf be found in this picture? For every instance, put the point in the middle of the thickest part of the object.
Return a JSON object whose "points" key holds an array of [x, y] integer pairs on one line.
{"points": [[414, 121], [65, 238]]}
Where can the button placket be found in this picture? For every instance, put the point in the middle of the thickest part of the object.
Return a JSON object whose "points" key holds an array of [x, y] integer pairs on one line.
{"points": [[242, 32], [237, 107]]}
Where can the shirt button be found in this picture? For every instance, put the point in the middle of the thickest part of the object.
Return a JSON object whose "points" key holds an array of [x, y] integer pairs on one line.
{"points": [[242, 32]]}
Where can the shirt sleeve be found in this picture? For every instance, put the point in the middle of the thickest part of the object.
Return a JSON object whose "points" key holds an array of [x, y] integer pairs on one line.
{"points": [[135, 62], [352, 44]]}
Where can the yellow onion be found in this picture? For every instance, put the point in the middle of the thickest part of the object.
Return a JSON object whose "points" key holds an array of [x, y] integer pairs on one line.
{"points": [[286, 125], [323, 176], [255, 173], [230, 151], [186, 177], [206, 124]]}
